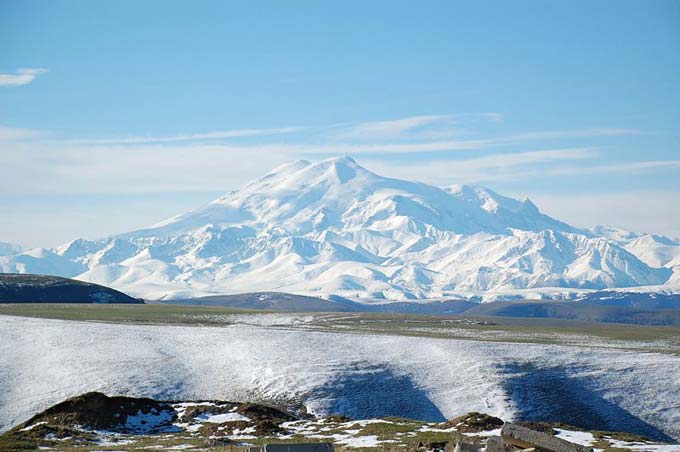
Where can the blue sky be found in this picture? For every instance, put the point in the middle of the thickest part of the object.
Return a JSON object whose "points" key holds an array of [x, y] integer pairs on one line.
{"points": [[115, 115]]}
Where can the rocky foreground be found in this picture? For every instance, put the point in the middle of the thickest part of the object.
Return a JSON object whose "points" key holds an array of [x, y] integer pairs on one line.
{"points": [[94, 421]]}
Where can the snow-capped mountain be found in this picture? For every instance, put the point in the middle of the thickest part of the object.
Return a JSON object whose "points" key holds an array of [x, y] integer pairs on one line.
{"points": [[333, 227], [654, 250]]}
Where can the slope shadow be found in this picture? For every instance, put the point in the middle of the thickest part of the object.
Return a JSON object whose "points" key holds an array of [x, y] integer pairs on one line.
{"points": [[550, 394], [373, 392]]}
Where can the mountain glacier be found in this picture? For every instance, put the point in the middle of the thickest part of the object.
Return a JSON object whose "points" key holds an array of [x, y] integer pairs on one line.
{"points": [[334, 227]]}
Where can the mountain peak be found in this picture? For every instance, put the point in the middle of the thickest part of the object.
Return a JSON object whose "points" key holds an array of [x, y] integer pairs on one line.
{"points": [[302, 174], [339, 164], [341, 169], [342, 159]]}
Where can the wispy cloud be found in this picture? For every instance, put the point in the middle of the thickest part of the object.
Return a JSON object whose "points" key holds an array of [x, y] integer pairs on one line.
{"points": [[519, 166], [583, 133], [22, 76], [209, 136], [500, 166], [393, 129], [415, 134], [397, 147], [615, 168], [493, 116], [212, 161], [328, 142], [13, 133], [413, 127]]}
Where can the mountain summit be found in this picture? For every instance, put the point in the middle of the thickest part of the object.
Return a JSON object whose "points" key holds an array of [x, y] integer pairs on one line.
{"points": [[334, 227], [338, 194]]}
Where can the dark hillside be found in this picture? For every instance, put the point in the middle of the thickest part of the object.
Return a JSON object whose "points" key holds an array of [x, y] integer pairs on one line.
{"points": [[26, 288]]}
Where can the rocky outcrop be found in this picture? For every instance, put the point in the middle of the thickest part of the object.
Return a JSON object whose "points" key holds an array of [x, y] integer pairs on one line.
{"points": [[516, 437]]}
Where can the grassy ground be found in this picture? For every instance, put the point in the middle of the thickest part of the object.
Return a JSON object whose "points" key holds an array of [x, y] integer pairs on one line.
{"points": [[386, 323], [123, 313], [499, 329]]}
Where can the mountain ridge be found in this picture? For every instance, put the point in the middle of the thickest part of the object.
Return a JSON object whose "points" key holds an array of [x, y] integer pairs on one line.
{"points": [[334, 227]]}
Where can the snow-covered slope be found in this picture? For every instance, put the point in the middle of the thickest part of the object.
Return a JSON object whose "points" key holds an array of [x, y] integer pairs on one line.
{"points": [[361, 375], [652, 249], [333, 227]]}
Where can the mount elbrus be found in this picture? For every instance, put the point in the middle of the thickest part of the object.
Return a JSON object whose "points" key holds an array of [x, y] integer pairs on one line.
{"points": [[334, 227]]}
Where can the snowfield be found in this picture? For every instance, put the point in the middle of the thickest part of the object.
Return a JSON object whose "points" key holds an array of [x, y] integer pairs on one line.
{"points": [[334, 227], [42, 362]]}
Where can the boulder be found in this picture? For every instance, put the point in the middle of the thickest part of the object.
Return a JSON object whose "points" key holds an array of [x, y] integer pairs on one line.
{"points": [[496, 444], [525, 438]]}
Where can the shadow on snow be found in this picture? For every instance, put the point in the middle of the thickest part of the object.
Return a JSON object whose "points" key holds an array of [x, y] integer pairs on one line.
{"points": [[363, 393], [551, 394]]}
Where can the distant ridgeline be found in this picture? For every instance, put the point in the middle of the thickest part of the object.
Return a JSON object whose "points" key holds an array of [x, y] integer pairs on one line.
{"points": [[25, 288]]}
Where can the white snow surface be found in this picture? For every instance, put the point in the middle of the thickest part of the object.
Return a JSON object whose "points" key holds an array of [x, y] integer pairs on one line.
{"points": [[43, 361], [220, 418], [583, 438], [333, 227]]}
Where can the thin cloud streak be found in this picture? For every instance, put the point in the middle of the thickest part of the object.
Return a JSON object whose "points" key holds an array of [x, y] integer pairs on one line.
{"points": [[617, 168], [15, 134], [470, 144], [218, 135], [483, 169], [413, 127], [416, 134], [23, 76], [391, 129], [586, 133], [517, 166]]}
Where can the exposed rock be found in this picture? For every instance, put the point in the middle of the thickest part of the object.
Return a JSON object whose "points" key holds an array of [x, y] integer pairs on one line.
{"points": [[496, 444], [462, 446], [543, 427], [474, 422], [526, 438], [95, 410]]}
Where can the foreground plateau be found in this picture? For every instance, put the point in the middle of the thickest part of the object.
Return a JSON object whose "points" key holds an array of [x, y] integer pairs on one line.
{"points": [[364, 366]]}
